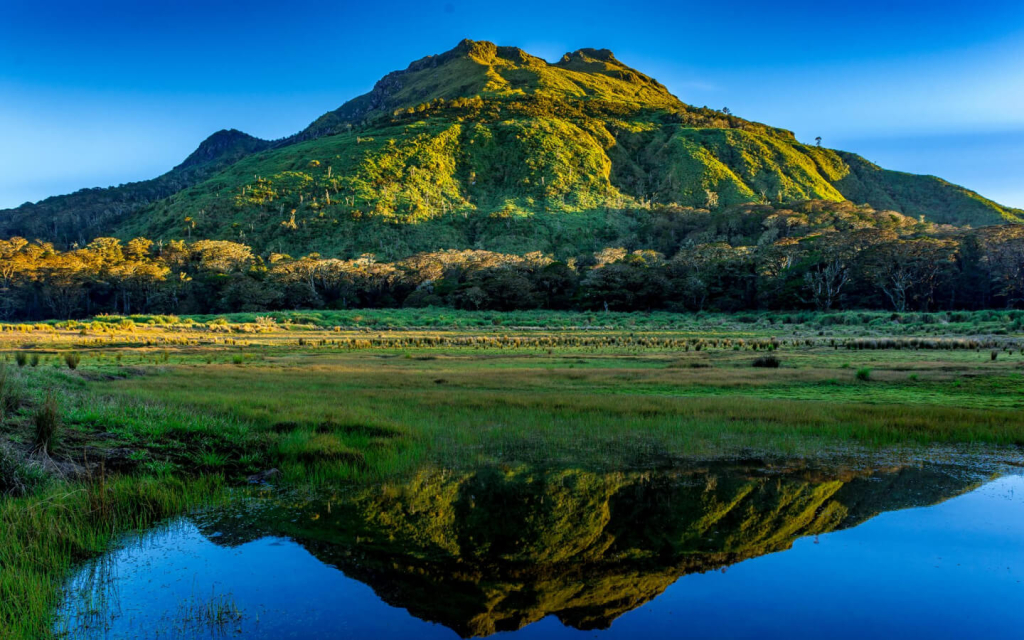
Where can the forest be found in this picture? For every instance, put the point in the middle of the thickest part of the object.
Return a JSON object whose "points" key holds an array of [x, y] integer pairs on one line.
{"points": [[811, 255]]}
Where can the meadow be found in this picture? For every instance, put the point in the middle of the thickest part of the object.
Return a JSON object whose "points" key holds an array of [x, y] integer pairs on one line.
{"points": [[115, 423]]}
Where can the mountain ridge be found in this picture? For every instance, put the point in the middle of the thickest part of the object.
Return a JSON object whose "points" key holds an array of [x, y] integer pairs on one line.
{"points": [[436, 152]]}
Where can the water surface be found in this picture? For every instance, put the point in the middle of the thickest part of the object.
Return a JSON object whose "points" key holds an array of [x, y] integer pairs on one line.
{"points": [[722, 550]]}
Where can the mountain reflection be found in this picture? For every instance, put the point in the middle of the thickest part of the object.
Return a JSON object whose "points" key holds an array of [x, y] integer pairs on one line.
{"points": [[496, 549]]}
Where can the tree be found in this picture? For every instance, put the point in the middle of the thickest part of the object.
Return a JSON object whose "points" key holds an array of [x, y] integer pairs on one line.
{"points": [[1004, 252], [907, 270], [830, 273], [775, 264], [711, 201], [695, 270]]}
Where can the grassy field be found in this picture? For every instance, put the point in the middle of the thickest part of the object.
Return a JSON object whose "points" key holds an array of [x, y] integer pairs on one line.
{"points": [[113, 424]]}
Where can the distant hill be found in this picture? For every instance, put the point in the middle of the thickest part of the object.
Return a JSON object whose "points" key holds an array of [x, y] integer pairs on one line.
{"points": [[88, 213], [487, 147]]}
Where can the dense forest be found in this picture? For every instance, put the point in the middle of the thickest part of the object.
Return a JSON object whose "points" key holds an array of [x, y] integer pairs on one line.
{"points": [[812, 255]]}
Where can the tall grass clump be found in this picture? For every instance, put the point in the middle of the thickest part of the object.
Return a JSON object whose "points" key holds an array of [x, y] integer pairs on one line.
{"points": [[47, 423], [864, 374], [14, 476], [72, 359], [21, 358], [10, 393], [767, 362]]}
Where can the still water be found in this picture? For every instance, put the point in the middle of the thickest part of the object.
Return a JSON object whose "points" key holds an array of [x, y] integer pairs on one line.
{"points": [[733, 551]]}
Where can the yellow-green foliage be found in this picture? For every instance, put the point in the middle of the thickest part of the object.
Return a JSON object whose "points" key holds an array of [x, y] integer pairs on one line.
{"points": [[450, 151]]}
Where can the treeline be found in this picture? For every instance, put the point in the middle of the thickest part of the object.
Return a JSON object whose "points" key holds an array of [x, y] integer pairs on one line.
{"points": [[857, 268]]}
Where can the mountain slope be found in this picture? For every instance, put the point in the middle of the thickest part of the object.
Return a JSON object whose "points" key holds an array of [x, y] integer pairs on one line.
{"points": [[489, 147], [489, 71], [917, 195], [85, 214]]}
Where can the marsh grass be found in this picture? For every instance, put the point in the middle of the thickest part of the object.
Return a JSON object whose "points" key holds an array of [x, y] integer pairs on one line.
{"points": [[368, 407], [11, 392], [16, 478], [206, 615], [47, 423], [45, 533], [607, 412], [767, 362]]}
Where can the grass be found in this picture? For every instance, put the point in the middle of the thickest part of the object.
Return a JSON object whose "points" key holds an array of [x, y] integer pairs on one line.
{"points": [[863, 324], [47, 423], [202, 615], [767, 362], [47, 532], [72, 360], [157, 417]]}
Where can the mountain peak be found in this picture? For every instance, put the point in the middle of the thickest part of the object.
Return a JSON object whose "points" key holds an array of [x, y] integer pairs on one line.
{"points": [[603, 55], [480, 68], [222, 144]]}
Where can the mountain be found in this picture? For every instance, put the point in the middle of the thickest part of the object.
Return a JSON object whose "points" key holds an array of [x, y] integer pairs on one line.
{"points": [[488, 147], [88, 213]]}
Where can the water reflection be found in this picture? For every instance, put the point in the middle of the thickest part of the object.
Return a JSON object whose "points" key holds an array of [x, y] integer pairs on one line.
{"points": [[498, 549]]}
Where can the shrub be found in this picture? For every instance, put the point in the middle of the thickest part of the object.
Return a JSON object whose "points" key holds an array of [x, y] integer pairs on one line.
{"points": [[72, 359], [21, 358], [10, 395], [47, 423], [994, 355], [767, 362], [12, 473], [864, 374], [34, 360]]}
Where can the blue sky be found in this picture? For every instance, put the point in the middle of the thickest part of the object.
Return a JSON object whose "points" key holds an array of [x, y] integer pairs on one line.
{"points": [[99, 93]]}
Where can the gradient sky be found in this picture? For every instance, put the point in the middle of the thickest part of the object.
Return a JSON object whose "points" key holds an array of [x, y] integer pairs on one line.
{"points": [[96, 93]]}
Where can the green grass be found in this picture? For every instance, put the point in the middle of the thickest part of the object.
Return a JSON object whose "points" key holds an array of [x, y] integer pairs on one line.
{"points": [[46, 533], [860, 324]]}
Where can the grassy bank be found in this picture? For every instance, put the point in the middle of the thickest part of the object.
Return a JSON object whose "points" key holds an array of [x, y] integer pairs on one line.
{"points": [[45, 533], [986, 322]]}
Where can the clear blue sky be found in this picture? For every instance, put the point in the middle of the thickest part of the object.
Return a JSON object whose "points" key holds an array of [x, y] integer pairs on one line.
{"points": [[98, 93]]}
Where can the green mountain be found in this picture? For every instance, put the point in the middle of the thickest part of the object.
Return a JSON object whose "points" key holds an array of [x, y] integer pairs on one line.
{"points": [[89, 213], [488, 147]]}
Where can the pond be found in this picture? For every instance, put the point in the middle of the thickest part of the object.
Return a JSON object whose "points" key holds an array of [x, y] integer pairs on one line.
{"points": [[718, 550]]}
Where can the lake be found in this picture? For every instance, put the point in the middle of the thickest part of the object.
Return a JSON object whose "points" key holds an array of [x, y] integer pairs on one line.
{"points": [[735, 550]]}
